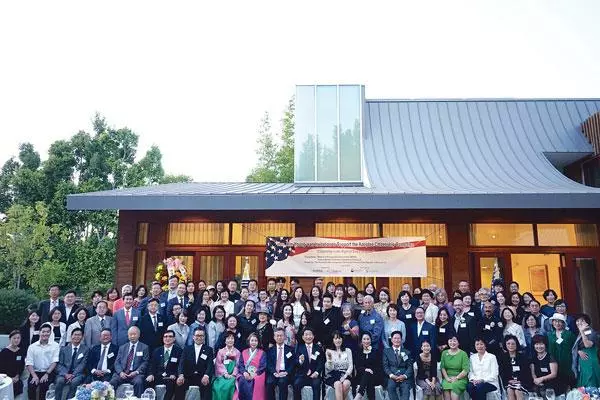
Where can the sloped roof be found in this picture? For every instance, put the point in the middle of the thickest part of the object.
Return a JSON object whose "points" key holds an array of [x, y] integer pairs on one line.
{"points": [[419, 154]]}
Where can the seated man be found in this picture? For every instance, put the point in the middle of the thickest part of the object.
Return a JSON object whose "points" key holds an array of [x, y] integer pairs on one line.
{"points": [[196, 367], [131, 363], [41, 360], [280, 366], [71, 364], [164, 364], [310, 362], [101, 358], [398, 366]]}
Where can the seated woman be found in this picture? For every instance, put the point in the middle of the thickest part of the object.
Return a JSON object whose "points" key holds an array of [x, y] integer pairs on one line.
{"points": [[368, 368], [427, 373], [483, 374], [514, 369], [251, 371], [12, 361], [454, 364], [223, 387], [544, 368], [338, 367], [585, 353]]}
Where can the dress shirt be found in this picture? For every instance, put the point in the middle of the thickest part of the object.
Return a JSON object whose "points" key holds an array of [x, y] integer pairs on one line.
{"points": [[171, 294], [198, 349], [131, 345], [68, 311], [485, 368], [103, 348], [419, 327], [41, 356], [53, 304], [280, 350]]}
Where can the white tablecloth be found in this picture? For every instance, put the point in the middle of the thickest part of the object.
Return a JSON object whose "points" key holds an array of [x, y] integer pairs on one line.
{"points": [[6, 389]]}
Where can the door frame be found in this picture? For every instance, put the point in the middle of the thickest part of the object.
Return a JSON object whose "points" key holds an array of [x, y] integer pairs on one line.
{"points": [[505, 267]]}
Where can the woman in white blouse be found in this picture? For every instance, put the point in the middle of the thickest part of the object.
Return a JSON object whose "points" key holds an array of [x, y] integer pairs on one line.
{"points": [[338, 367], [511, 327], [483, 373], [82, 315], [431, 310]]}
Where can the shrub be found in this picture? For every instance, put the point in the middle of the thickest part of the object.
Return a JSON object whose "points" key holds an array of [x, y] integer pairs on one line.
{"points": [[13, 308]]}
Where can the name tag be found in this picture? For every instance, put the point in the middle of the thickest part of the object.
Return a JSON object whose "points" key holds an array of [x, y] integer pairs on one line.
{"points": [[317, 308], [36, 332], [317, 353], [404, 357], [372, 322], [273, 322], [426, 333], [162, 305], [139, 354], [253, 321], [516, 368], [487, 327], [19, 358], [544, 369], [463, 325], [471, 313], [288, 355], [313, 357], [500, 324], [135, 318], [442, 330], [362, 311], [203, 356], [173, 359], [80, 356], [226, 362], [559, 340], [110, 355], [160, 324], [239, 335], [588, 332], [326, 322], [408, 316]]}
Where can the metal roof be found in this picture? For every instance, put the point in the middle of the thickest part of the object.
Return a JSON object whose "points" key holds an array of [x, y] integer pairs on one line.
{"points": [[419, 154]]}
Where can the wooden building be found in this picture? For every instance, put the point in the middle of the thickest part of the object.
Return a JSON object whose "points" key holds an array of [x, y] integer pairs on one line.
{"points": [[487, 182]]}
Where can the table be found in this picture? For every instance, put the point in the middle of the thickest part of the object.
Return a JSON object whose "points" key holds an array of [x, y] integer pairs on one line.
{"points": [[6, 389]]}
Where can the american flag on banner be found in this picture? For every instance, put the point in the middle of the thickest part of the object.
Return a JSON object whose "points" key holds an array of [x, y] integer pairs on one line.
{"points": [[278, 249]]}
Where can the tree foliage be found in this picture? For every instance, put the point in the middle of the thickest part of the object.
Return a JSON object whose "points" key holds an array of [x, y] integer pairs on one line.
{"points": [[41, 242], [275, 151]]}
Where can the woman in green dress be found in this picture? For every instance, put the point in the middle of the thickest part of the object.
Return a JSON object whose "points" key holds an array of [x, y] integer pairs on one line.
{"points": [[560, 343], [585, 354], [226, 370], [455, 370]]}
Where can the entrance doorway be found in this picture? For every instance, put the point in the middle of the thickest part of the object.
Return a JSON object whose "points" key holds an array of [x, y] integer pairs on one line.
{"points": [[537, 272]]}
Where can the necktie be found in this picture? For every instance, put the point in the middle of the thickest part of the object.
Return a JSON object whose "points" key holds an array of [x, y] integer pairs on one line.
{"points": [[127, 317], [279, 358], [73, 358], [129, 365], [397, 355], [309, 348], [102, 356], [167, 357], [154, 322], [101, 323]]}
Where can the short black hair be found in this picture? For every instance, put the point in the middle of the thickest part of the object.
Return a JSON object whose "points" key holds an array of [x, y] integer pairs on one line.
{"points": [[97, 292], [396, 333], [77, 330], [171, 331], [547, 292], [539, 339], [271, 279], [71, 292], [328, 295], [54, 286]]}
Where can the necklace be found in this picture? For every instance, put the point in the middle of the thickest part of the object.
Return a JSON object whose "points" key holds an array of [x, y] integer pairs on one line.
{"points": [[542, 357]]}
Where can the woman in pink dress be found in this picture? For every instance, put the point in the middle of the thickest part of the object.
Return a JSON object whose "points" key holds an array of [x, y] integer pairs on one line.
{"points": [[251, 371]]}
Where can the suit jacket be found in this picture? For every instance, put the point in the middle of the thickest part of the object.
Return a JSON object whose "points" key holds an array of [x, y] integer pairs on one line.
{"points": [[140, 358], [68, 320], [94, 357], [402, 365], [314, 364], [467, 329], [66, 355], [414, 342], [119, 327], [93, 327], [148, 335], [162, 305], [288, 357], [157, 364], [44, 309], [175, 300], [204, 365]]}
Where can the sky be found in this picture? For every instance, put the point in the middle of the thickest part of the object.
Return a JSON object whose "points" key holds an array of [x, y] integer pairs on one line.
{"points": [[195, 77]]}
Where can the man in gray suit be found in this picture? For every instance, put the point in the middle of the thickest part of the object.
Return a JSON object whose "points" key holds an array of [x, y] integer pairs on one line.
{"points": [[71, 363], [398, 366], [124, 319], [94, 325], [131, 363]]}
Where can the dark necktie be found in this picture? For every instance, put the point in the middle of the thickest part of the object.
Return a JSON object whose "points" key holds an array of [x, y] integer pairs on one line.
{"points": [[73, 358], [397, 355], [101, 323], [101, 361], [129, 365], [154, 322], [167, 357]]}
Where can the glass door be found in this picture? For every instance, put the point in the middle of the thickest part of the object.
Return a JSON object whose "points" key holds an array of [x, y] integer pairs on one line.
{"points": [[582, 285], [487, 265]]}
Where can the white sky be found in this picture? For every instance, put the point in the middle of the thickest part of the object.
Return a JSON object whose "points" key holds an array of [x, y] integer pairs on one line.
{"points": [[195, 77]]}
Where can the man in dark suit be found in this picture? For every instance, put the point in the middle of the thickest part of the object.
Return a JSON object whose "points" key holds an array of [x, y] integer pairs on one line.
{"points": [[280, 366], [71, 363], [398, 366], [327, 321], [465, 327], [196, 367], [131, 363], [419, 332], [101, 358], [164, 364], [490, 328], [310, 364], [180, 299], [69, 308], [155, 293], [152, 326], [124, 319], [46, 306]]}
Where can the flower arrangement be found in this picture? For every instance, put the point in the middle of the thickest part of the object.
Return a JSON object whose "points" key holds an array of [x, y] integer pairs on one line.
{"points": [[167, 268], [95, 391]]}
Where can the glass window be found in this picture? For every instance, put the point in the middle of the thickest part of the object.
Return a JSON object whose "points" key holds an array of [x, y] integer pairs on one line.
{"points": [[327, 134], [304, 134], [435, 275], [435, 234], [198, 233], [246, 268], [350, 101], [536, 273], [211, 268], [343, 230], [142, 233], [396, 285], [256, 233], [567, 235], [501, 234], [140, 267]]}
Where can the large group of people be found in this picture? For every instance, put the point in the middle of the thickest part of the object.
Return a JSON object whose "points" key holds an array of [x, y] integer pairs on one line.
{"points": [[254, 343]]}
